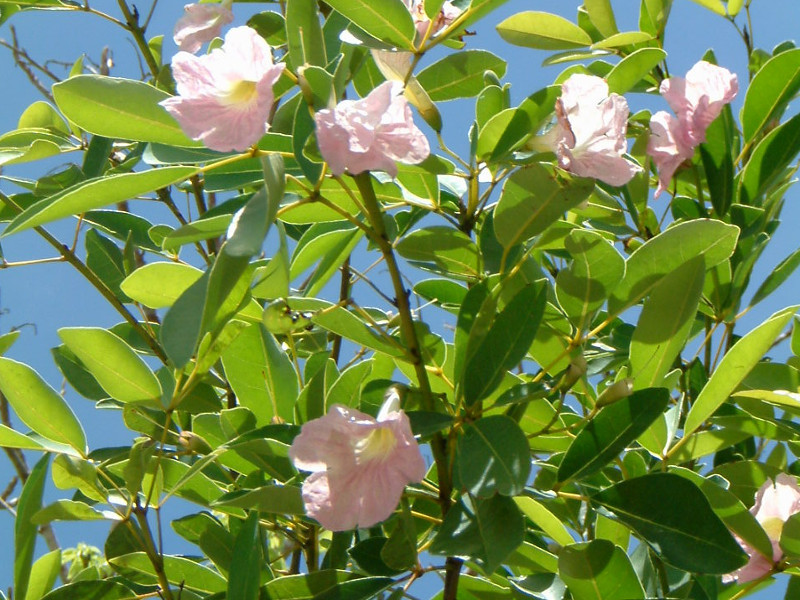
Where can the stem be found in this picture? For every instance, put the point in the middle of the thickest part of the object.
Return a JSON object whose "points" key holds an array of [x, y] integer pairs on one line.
{"points": [[344, 294], [137, 31], [152, 552], [438, 443]]}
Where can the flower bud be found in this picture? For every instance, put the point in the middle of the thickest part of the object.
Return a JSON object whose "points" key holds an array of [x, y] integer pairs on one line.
{"points": [[617, 391]]}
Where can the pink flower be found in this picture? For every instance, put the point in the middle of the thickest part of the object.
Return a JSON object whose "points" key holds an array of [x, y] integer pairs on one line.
{"points": [[668, 147], [371, 134], [447, 14], [360, 465], [590, 136], [200, 23], [697, 100], [775, 503], [225, 97]]}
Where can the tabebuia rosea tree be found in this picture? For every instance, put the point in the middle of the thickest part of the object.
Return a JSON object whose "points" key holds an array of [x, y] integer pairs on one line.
{"points": [[357, 362]]}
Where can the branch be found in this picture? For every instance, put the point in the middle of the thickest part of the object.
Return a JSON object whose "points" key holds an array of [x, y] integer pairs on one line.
{"points": [[438, 443]]}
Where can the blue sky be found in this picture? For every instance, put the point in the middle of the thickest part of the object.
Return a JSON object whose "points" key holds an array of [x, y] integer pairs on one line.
{"points": [[53, 296]]}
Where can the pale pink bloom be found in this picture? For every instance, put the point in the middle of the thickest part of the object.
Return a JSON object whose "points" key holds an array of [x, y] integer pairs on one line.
{"points": [[668, 147], [697, 100], [372, 133], [447, 14], [775, 503], [225, 97], [590, 135], [360, 465], [199, 24]]}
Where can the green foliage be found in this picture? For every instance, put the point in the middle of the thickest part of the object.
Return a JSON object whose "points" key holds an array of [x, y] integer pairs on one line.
{"points": [[597, 412]]}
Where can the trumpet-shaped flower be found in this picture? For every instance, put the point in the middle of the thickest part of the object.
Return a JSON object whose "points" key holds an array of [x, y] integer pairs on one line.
{"points": [[201, 23], [590, 136], [372, 133], [225, 97], [360, 465], [696, 100], [775, 503]]}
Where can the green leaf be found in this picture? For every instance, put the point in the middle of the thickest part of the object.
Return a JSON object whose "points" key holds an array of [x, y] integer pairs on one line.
{"points": [[261, 375], [71, 472], [769, 160], [633, 68], [306, 46], [329, 243], [202, 229], [662, 254], [160, 284], [493, 457], [610, 431], [119, 109], [734, 367], [601, 14], [96, 193], [770, 91], [505, 345], [442, 250], [212, 538], [326, 584], [25, 530], [400, 550], [544, 31], [595, 270], [734, 6], [549, 523], [25, 145], [273, 499], [10, 438], [714, 6], [7, 340], [665, 322], [101, 589], [680, 526], [41, 115], [340, 321], [716, 154], [777, 276], [245, 573], [180, 329], [367, 554], [503, 132], [386, 20], [39, 406], [117, 368], [67, 510], [731, 510], [532, 199], [179, 571], [121, 225], [43, 575], [486, 531], [104, 259], [620, 40], [598, 570], [460, 75]]}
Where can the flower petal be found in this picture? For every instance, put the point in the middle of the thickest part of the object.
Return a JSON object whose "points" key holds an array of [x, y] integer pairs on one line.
{"points": [[225, 97], [591, 132], [370, 134], [200, 23], [667, 147], [361, 465]]}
